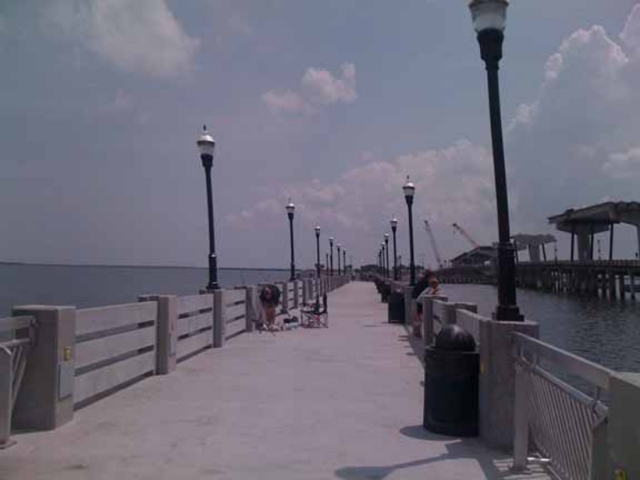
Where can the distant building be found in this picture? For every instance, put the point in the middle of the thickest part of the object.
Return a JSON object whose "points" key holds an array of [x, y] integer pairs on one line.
{"points": [[479, 256]]}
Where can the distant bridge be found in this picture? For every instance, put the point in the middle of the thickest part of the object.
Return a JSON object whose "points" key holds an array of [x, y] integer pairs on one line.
{"points": [[598, 278]]}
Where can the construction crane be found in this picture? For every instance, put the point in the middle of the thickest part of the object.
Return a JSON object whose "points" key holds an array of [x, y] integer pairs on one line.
{"points": [[462, 231], [434, 246]]}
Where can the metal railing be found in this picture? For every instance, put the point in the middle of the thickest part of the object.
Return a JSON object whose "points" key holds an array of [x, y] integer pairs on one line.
{"points": [[559, 419], [16, 336]]}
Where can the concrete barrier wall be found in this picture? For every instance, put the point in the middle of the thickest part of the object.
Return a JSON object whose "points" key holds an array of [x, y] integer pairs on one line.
{"points": [[194, 325], [83, 355], [113, 345], [496, 395]]}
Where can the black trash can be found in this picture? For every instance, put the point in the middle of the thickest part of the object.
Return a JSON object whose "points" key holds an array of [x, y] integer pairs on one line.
{"points": [[451, 384], [385, 292], [396, 307]]}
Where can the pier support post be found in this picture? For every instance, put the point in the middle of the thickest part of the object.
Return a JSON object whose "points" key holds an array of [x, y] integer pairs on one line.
{"points": [[632, 285], [45, 399], [622, 287], [612, 285], [497, 380]]}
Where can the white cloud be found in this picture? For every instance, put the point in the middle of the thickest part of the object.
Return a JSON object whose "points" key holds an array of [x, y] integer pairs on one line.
{"points": [[566, 142], [575, 143], [319, 87], [452, 184], [329, 89], [623, 165], [135, 36], [289, 102]]}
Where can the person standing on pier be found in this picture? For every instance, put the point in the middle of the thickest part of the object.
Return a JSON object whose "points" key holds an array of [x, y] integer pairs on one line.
{"points": [[270, 297]]}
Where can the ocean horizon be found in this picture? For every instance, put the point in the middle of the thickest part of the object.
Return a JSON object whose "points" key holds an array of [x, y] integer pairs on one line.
{"points": [[95, 285]]}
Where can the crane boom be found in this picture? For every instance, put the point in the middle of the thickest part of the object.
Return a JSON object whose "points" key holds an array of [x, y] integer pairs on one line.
{"points": [[434, 246], [462, 231]]}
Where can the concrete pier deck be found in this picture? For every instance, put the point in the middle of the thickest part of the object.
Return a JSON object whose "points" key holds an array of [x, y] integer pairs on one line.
{"points": [[337, 403]]}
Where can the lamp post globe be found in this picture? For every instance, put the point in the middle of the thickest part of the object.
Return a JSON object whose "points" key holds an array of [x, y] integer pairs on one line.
{"points": [[409, 191], [291, 208], [331, 256], [394, 227], [206, 146], [489, 21]]}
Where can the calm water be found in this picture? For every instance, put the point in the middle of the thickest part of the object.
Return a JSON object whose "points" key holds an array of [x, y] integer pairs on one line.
{"points": [[95, 286], [604, 332]]}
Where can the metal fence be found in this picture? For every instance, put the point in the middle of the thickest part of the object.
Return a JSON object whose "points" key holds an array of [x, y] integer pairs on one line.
{"points": [[554, 421], [16, 336]]}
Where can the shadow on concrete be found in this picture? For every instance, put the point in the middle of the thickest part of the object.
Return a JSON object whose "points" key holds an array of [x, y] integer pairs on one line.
{"points": [[494, 466], [415, 344]]}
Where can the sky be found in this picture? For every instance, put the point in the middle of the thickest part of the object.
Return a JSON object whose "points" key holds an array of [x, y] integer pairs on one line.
{"points": [[329, 103]]}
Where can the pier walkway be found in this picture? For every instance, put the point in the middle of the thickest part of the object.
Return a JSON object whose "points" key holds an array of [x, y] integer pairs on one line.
{"points": [[337, 403]]}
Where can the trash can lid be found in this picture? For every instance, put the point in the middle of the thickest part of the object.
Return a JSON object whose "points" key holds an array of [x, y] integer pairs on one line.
{"points": [[453, 338]]}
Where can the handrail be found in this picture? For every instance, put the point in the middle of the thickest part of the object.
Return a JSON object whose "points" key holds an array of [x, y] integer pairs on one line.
{"points": [[545, 405], [15, 323], [581, 367]]}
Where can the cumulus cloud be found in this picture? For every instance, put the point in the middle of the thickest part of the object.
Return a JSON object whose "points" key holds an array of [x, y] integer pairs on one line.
{"points": [[568, 141], [575, 143], [135, 36], [288, 102], [318, 88], [623, 165], [452, 184]]}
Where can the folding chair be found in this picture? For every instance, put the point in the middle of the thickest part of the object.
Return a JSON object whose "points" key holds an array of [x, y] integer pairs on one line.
{"points": [[315, 317]]}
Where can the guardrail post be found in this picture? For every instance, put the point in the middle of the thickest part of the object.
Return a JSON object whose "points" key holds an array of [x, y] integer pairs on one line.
{"points": [[601, 464], [427, 316], [166, 331], [296, 293], [497, 380], [6, 397], [284, 297], [521, 420], [45, 399], [219, 320], [624, 424], [251, 314], [305, 292]]}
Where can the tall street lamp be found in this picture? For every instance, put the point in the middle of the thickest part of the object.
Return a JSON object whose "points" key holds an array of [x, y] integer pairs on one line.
{"points": [[291, 208], [317, 229], [394, 227], [339, 247], [409, 191], [385, 258], [489, 19], [331, 255], [344, 261], [386, 247], [326, 263], [206, 145]]}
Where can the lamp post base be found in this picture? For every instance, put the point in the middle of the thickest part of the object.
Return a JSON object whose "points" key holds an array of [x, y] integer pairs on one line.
{"points": [[508, 313]]}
